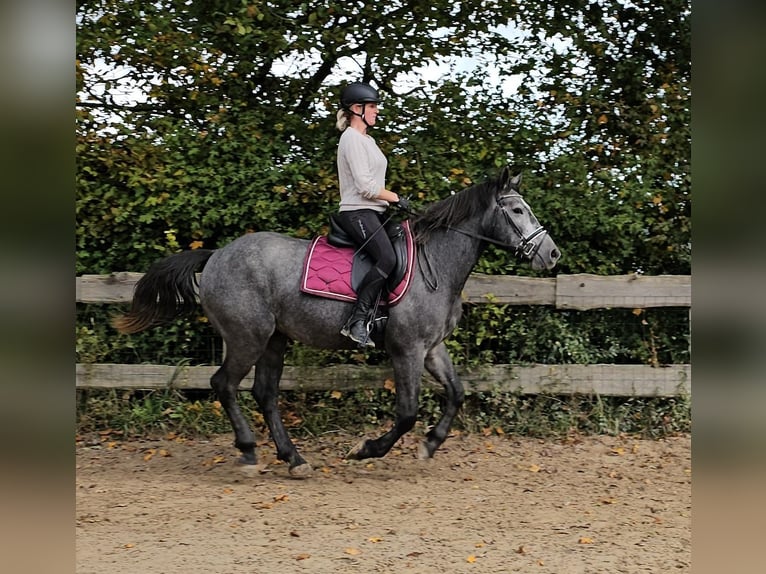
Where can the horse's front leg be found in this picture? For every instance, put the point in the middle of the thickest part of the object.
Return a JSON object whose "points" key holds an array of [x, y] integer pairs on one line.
{"points": [[268, 371], [439, 364], [407, 372]]}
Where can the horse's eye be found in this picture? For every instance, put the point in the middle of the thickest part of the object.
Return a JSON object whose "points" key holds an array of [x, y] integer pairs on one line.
{"points": [[518, 210]]}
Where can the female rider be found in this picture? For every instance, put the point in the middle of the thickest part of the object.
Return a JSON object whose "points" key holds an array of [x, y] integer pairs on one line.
{"points": [[363, 200]]}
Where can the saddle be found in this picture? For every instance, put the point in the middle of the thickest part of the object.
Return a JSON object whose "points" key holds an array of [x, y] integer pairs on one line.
{"points": [[334, 270]]}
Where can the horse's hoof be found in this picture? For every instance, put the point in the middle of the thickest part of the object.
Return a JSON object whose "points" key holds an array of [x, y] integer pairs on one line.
{"points": [[356, 452], [252, 469], [301, 471], [247, 460], [424, 453]]}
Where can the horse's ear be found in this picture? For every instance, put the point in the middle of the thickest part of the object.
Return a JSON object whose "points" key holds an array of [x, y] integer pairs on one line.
{"points": [[506, 181], [504, 178]]}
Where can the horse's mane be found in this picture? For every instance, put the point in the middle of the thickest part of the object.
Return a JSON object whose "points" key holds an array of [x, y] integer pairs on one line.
{"points": [[453, 210]]}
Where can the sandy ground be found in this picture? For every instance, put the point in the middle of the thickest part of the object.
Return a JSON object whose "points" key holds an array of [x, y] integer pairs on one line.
{"points": [[483, 504]]}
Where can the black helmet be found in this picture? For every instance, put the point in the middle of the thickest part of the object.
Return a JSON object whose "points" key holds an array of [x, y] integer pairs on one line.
{"points": [[358, 93]]}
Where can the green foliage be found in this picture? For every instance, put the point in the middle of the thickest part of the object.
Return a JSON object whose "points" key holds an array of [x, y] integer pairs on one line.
{"points": [[135, 413], [233, 127], [146, 413], [525, 335], [558, 416]]}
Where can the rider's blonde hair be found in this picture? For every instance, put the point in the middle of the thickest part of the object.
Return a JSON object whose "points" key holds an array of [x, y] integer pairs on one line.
{"points": [[342, 120]]}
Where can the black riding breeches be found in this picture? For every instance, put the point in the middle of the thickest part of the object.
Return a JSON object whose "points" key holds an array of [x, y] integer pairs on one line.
{"points": [[365, 226]]}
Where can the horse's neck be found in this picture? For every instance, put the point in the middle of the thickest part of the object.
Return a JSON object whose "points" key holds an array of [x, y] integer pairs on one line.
{"points": [[453, 255]]}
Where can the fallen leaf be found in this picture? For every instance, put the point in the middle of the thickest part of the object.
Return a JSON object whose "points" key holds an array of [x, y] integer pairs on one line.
{"points": [[540, 563], [149, 454], [534, 468], [195, 244], [471, 559], [336, 395], [163, 452], [585, 540], [303, 556], [129, 545], [352, 551], [375, 540], [521, 550], [281, 498], [619, 451], [389, 385], [227, 491], [609, 501], [479, 545]]}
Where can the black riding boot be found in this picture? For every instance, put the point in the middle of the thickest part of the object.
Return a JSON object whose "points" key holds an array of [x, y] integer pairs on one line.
{"points": [[357, 327]]}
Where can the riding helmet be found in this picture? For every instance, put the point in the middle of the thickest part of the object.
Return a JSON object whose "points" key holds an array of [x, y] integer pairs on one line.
{"points": [[358, 93]]}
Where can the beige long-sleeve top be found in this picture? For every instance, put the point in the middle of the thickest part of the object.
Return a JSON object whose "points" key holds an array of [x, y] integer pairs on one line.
{"points": [[361, 172]]}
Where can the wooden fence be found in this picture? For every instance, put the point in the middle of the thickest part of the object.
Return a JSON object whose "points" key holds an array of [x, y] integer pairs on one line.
{"points": [[580, 292]]}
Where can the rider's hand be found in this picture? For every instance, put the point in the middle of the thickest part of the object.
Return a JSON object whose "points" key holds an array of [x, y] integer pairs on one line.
{"points": [[403, 204]]}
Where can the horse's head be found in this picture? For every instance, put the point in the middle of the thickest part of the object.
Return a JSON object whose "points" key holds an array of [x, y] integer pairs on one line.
{"points": [[512, 222]]}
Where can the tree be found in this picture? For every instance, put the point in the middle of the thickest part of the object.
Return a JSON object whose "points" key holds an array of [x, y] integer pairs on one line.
{"points": [[232, 129]]}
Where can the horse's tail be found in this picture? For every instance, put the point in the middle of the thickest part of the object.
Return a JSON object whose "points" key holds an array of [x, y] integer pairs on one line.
{"points": [[166, 291]]}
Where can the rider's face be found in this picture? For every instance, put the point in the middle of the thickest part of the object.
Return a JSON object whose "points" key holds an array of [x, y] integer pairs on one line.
{"points": [[370, 112]]}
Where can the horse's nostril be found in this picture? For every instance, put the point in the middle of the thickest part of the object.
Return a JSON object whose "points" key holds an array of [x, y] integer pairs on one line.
{"points": [[555, 254]]}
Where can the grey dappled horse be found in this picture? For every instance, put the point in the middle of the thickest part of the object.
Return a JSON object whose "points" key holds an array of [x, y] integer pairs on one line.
{"points": [[249, 291]]}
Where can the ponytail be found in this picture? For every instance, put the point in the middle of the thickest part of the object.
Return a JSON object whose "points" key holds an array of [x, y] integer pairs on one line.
{"points": [[341, 120]]}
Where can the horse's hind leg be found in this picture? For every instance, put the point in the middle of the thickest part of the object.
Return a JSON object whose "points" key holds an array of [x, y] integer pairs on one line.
{"points": [[268, 371], [225, 382], [439, 364]]}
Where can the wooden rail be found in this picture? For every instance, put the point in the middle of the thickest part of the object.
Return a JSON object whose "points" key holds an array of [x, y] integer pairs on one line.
{"points": [[580, 292], [604, 380]]}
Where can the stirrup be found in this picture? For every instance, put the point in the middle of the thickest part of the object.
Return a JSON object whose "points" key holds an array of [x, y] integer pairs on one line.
{"points": [[364, 341]]}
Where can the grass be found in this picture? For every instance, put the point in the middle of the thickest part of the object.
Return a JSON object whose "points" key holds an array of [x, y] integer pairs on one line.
{"points": [[198, 413]]}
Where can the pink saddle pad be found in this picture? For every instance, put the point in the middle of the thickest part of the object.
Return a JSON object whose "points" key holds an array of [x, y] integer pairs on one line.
{"points": [[327, 270]]}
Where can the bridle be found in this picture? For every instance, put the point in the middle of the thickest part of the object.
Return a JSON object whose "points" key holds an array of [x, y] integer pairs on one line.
{"points": [[527, 248], [528, 244]]}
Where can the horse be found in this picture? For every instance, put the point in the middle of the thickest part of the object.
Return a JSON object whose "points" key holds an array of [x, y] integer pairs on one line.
{"points": [[249, 291]]}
